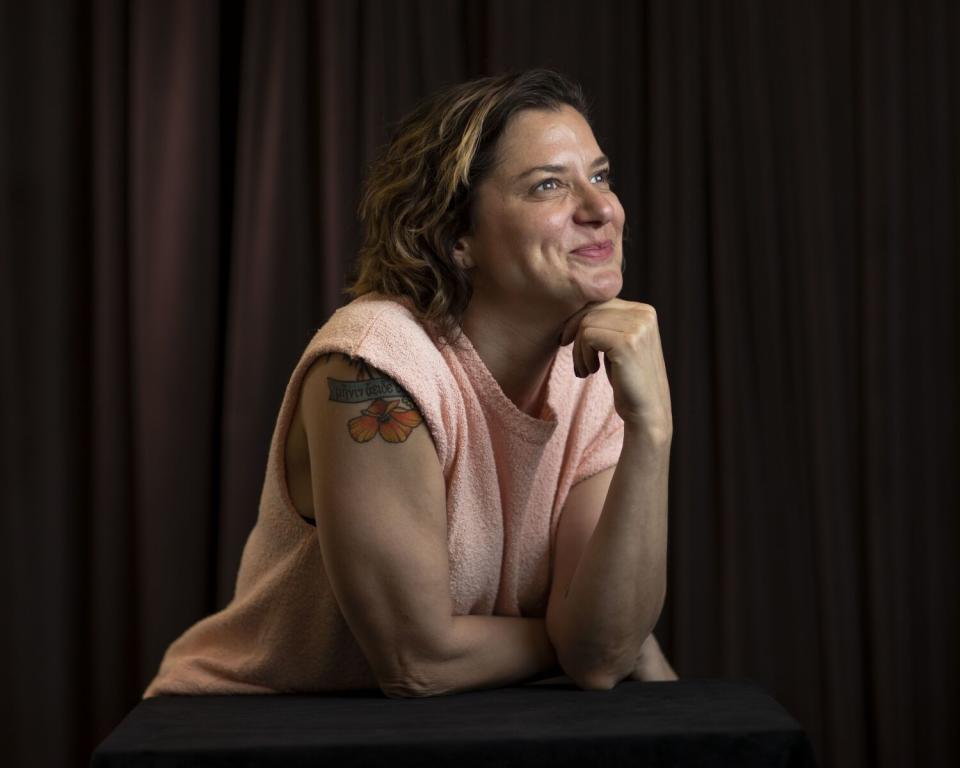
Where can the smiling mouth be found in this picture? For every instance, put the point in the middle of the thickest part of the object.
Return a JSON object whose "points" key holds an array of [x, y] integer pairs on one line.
{"points": [[596, 251]]}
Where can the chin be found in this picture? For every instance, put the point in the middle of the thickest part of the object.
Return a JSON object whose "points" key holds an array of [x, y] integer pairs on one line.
{"points": [[603, 287]]}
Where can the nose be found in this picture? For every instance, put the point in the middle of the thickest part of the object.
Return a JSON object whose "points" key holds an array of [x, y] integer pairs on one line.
{"points": [[595, 207]]}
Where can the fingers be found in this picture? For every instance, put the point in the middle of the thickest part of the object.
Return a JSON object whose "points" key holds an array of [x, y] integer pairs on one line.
{"points": [[583, 356], [600, 327], [591, 341], [572, 325], [615, 313]]}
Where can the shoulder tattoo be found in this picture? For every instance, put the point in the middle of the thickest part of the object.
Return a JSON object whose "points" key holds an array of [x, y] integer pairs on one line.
{"points": [[391, 413]]}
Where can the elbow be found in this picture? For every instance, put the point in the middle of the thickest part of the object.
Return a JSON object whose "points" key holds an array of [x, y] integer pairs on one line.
{"points": [[596, 675], [596, 681], [408, 684], [405, 689], [413, 673], [591, 666]]}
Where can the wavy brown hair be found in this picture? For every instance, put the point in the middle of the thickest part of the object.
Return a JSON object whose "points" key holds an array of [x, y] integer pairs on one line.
{"points": [[418, 194]]}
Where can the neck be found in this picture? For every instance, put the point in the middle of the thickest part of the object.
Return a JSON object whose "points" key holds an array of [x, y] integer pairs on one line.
{"points": [[517, 347]]}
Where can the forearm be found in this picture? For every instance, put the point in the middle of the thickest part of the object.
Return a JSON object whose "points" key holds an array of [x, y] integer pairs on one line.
{"points": [[487, 652], [617, 591]]}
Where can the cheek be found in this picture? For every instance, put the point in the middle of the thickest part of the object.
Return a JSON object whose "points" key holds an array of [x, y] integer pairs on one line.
{"points": [[552, 231], [542, 234]]}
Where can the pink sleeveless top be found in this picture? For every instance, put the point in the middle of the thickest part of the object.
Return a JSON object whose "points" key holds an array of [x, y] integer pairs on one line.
{"points": [[507, 477]]}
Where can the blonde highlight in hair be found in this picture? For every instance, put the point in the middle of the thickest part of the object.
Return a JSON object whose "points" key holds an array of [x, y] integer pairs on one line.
{"points": [[417, 196]]}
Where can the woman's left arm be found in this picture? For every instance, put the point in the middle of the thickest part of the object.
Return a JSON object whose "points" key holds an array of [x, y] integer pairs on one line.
{"points": [[609, 577]]}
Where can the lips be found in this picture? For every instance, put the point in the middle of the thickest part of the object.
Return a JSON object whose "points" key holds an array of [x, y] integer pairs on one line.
{"points": [[599, 250]]}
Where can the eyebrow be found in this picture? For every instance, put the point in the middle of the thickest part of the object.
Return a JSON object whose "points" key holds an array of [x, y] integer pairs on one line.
{"points": [[602, 160]]}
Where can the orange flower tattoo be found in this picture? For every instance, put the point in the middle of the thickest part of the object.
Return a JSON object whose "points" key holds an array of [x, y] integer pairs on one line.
{"points": [[393, 425]]}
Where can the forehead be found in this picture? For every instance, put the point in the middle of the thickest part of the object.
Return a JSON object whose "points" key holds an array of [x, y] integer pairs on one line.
{"points": [[543, 136]]}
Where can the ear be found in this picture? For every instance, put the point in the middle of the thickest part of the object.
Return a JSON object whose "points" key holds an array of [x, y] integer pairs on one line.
{"points": [[461, 254]]}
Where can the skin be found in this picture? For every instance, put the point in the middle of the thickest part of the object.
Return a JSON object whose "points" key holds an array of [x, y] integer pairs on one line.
{"points": [[548, 196], [525, 226]]}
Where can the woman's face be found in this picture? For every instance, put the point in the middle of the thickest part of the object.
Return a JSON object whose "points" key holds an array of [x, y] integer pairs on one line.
{"points": [[547, 230]]}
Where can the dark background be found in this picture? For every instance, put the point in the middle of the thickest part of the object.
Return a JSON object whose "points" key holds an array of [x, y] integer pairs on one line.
{"points": [[178, 184]]}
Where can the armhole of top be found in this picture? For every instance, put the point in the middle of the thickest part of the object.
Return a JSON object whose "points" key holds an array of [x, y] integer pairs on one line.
{"points": [[288, 409]]}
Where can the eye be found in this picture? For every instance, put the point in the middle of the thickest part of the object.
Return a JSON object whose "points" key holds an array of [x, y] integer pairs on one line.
{"points": [[601, 177], [547, 185]]}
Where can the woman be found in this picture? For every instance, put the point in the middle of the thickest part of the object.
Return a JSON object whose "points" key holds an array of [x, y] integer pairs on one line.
{"points": [[455, 498]]}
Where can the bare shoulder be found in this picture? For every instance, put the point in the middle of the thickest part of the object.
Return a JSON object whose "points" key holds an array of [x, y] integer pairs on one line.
{"points": [[368, 448], [375, 406]]}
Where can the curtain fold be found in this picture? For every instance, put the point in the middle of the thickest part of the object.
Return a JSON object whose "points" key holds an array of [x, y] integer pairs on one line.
{"points": [[275, 260], [175, 309], [178, 193], [111, 596]]}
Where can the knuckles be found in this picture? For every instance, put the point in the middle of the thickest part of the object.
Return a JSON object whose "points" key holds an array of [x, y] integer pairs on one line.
{"points": [[638, 306], [636, 338], [639, 329]]}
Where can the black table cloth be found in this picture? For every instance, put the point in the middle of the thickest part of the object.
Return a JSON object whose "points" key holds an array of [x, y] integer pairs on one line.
{"points": [[686, 722]]}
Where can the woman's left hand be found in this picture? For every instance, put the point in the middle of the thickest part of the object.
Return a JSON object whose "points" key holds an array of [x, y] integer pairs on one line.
{"points": [[629, 337]]}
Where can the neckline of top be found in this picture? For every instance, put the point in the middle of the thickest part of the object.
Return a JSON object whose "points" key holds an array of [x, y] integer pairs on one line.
{"points": [[534, 429]]}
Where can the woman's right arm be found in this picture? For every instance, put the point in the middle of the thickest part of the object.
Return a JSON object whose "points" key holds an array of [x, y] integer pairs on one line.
{"points": [[380, 506]]}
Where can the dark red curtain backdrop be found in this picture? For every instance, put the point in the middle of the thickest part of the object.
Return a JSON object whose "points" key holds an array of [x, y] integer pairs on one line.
{"points": [[178, 183]]}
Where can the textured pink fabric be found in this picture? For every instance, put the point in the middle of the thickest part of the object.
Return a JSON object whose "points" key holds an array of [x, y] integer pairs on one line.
{"points": [[507, 477]]}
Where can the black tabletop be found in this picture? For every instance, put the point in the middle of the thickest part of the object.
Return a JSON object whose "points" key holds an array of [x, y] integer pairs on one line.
{"points": [[687, 722]]}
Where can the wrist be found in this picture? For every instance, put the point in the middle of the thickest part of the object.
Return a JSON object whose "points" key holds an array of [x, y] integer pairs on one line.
{"points": [[656, 435]]}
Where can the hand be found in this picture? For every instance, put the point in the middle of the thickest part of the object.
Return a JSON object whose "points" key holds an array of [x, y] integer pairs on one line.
{"points": [[651, 663], [629, 337]]}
